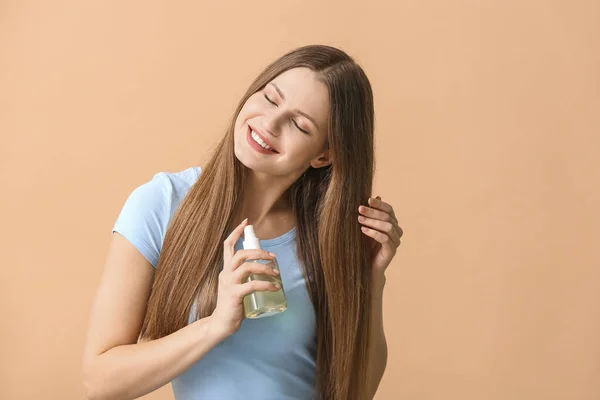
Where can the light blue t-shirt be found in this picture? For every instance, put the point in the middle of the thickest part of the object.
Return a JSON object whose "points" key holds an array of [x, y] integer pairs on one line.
{"points": [[267, 358]]}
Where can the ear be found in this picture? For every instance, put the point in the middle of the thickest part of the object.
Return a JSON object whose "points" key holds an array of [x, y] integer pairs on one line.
{"points": [[322, 160]]}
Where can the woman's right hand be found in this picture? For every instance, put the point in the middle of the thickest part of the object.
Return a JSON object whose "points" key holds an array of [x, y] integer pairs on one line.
{"points": [[229, 312]]}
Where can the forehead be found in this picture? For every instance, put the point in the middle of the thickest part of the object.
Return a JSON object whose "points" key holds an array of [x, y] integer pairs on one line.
{"points": [[304, 92]]}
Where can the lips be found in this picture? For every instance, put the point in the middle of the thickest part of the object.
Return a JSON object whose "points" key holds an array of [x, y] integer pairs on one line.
{"points": [[263, 137], [255, 145]]}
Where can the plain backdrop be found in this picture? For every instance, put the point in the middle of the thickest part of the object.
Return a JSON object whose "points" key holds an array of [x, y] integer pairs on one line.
{"points": [[487, 138]]}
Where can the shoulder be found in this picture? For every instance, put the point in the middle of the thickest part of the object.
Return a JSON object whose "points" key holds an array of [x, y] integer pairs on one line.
{"points": [[164, 191], [180, 180], [175, 184], [146, 214]]}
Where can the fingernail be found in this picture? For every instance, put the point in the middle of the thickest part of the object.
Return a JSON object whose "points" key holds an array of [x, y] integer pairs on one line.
{"points": [[276, 270], [277, 285], [244, 221], [272, 254]]}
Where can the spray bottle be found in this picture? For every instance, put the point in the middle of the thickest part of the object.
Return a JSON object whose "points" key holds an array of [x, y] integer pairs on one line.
{"points": [[262, 303]]}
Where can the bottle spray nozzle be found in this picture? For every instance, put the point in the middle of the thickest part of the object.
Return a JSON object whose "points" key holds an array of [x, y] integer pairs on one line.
{"points": [[249, 231], [250, 239]]}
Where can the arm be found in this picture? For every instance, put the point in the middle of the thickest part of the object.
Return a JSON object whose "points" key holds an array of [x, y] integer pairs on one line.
{"points": [[115, 366], [378, 355], [381, 225]]}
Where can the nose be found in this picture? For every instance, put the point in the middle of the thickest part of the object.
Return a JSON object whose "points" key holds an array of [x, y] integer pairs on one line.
{"points": [[271, 128], [272, 123]]}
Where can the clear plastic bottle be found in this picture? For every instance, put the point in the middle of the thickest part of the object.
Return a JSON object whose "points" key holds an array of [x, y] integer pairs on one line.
{"points": [[263, 303]]}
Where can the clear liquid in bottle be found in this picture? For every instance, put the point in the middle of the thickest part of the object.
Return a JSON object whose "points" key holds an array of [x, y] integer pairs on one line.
{"points": [[265, 303], [262, 303]]}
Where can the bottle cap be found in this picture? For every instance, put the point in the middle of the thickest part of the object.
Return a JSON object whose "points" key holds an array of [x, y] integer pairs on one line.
{"points": [[250, 239]]}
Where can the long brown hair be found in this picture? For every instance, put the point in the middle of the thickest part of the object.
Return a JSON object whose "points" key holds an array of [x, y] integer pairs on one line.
{"points": [[325, 201]]}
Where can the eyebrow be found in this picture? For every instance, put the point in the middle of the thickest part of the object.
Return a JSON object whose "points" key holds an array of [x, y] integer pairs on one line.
{"points": [[296, 110]]}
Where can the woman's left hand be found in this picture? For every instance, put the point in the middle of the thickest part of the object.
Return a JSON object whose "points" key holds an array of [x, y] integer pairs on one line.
{"points": [[380, 223]]}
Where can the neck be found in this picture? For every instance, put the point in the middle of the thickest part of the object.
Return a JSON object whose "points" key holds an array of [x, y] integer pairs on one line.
{"points": [[266, 203]]}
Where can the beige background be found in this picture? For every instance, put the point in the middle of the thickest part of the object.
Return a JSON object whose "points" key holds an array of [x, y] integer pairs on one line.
{"points": [[488, 130]]}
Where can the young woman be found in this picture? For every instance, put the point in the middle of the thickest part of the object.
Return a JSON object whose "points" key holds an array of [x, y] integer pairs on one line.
{"points": [[297, 162]]}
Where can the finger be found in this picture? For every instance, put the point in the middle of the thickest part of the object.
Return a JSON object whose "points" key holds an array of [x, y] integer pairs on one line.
{"points": [[380, 215], [242, 256], [376, 214], [379, 237], [393, 215], [254, 286], [254, 268], [381, 226], [234, 236], [382, 205]]}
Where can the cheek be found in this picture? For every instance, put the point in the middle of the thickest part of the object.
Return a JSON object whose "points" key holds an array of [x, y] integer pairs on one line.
{"points": [[300, 149], [252, 104], [247, 105], [247, 112]]}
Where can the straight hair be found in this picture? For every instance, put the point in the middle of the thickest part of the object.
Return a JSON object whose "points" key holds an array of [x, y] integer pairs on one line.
{"points": [[333, 252]]}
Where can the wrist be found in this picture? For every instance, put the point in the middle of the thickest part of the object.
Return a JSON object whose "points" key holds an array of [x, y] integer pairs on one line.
{"points": [[378, 278], [214, 330]]}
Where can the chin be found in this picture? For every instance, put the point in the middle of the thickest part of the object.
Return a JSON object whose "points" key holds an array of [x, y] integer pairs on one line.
{"points": [[247, 159]]}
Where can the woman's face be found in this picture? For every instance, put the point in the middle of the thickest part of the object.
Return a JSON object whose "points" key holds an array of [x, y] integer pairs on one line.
{"points": [[290, 116]]}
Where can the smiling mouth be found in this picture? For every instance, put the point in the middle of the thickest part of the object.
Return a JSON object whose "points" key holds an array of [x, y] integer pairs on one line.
{"points": [[253, 136]]}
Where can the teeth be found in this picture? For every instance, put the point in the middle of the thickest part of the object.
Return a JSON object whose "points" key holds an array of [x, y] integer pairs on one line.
{"points": [[258, 140]]}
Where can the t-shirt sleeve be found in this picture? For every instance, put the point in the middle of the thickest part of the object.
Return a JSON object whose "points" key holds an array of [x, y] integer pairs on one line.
{"points": [[144, 217]]}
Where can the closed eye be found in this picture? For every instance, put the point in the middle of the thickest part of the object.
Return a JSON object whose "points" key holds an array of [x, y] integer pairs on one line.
{"points": [[269, 100], [272, 102], [301, 130]]}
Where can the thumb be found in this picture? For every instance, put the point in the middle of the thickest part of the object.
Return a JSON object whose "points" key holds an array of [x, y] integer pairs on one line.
{"points": [[229, 245]]}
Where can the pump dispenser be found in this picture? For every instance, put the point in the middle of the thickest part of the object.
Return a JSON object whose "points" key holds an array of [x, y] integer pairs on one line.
{"points": [[262, 303]]}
